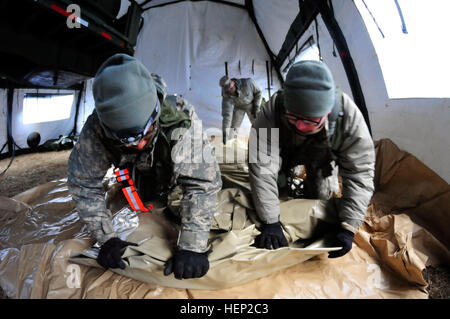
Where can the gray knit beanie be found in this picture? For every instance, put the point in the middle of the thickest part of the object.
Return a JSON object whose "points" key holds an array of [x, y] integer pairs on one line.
{"points": [[124, 93], [309, 89]]}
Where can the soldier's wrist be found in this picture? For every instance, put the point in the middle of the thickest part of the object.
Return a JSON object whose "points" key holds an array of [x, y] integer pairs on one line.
{"points": [[196, 241]]}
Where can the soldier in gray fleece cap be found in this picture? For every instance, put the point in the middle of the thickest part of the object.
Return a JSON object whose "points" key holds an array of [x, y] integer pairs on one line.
{"points": [[321, 128]]}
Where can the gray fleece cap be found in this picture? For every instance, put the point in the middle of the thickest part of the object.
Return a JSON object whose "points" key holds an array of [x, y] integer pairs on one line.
{"points": [[124, 93], [309, 89]]}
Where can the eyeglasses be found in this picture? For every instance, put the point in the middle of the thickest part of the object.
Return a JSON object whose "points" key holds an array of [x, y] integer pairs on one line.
{"points": [[136, 139], [295, 118], [149, 130]]}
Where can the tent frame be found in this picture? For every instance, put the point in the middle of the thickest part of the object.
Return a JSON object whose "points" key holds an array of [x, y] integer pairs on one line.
{"points": [[309, 10]]}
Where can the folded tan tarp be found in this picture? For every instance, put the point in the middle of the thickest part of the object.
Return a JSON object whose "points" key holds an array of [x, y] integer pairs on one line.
{"points": [[40, 231]]}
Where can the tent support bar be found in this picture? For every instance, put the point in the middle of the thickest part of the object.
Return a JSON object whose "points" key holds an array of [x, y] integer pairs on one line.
{"points": [[347, 61], [178, 1], [268, 79], [251, 12], [77, 109], [10, 98], [308, 12], [10, 142]]}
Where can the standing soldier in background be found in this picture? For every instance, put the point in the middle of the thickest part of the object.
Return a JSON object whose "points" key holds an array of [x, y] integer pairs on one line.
{"points": [[131, 128], [239, 97]]}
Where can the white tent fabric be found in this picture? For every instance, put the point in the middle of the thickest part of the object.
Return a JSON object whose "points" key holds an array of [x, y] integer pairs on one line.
{"points": [[418, 126], [275, 19], [188, 44]]}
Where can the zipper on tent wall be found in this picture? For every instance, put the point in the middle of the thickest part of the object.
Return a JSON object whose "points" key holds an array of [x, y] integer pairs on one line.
{"points": [[317, 39], [268, 79]]}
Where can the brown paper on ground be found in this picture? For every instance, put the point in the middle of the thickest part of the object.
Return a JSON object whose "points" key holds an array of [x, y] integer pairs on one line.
{"points": [[383, 263], [404, 185]]}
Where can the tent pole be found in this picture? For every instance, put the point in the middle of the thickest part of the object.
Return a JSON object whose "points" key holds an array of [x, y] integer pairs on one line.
{"points": [[11, 150], [10, 98], [347, 61], [308, 11], [77, 109], [268, 78]]}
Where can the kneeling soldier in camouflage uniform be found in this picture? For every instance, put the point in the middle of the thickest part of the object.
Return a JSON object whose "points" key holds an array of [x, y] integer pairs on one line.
{"points": [[131, 127], [319, 127]]}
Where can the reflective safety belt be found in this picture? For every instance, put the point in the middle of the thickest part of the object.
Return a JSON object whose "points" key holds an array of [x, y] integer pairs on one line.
{"points": [[123, 176]]}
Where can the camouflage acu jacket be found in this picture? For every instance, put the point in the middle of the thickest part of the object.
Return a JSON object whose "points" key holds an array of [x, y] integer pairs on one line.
{"points": [[193, 169]]}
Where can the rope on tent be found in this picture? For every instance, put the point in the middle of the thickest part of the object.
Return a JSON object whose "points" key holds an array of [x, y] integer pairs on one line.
{"points": [[317, 39], [401, 17], [370, 12], [268, 79]]}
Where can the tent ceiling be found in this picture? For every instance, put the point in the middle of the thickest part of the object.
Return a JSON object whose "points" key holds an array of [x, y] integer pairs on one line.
{"points": [[82, 52]]}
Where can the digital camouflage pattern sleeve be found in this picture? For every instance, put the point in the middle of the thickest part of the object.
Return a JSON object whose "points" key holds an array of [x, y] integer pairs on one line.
{"points": [[88, 163], [197, 172]]}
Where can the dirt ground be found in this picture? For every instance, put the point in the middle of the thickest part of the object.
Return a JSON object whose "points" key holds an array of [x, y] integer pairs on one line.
{"points": [[35, 169]]}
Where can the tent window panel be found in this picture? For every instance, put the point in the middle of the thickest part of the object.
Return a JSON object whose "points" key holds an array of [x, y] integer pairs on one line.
{"points": [[411, 48], [45, 107]]}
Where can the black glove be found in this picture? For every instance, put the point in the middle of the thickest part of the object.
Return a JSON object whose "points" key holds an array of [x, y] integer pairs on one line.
{"points": [[271, 235], [187, 264], [344, 238], [111, 252]]}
